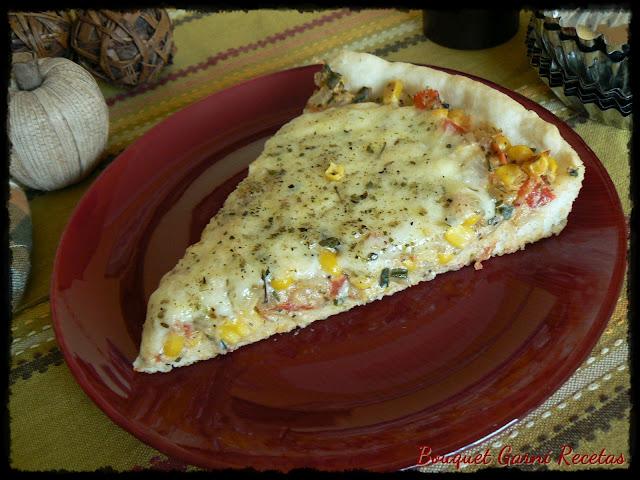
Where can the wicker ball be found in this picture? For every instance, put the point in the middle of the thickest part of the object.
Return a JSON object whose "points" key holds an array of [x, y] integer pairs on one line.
{"points": [[126, 48], [45, 34]]}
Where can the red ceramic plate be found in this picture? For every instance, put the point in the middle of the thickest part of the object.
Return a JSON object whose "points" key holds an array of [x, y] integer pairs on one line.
{"points": [[443, 364]]}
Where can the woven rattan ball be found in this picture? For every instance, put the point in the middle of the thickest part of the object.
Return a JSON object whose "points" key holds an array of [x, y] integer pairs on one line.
{"points": [[126, 48], [45, 34]]}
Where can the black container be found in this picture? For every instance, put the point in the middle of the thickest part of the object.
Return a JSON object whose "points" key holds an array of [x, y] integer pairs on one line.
{"points": [[470, 29]]}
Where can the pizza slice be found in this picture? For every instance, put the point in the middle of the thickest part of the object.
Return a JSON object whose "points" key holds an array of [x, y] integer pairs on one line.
{"points": [[394, 174]]}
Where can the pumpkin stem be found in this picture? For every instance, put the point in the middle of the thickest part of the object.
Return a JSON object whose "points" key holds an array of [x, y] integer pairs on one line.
{"points": [[26, 71]]}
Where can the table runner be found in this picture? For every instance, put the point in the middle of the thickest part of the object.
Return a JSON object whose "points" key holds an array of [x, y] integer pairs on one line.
{"points": [[54, 425]]}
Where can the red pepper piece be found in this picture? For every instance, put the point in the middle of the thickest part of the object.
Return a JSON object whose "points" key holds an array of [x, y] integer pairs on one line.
{"points": [[540, 195], [336, 285], [501, 155], [454, 126], [292, 307], [426, 99]]}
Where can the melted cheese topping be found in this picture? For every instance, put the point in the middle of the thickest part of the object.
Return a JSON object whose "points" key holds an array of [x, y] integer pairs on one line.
{"points": [[405, 181]]}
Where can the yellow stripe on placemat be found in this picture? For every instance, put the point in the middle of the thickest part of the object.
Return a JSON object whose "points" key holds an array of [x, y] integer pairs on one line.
{"points": [[230, 77], [31, 332], [198, 46], [227, 66], [202, 37], [126, 129]]}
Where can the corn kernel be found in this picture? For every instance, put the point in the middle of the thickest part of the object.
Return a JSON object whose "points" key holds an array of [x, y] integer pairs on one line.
{"points": [[553, 165], [361, 282], [510, 175], [444, 258], [409, 264], [392, 92], [472, 220], [440, 112], [502, 142], [281, 283], [553, 168], [228, 334], [519, 153], [335, 172], [458, 116], [329, 262], [459, 236], [231, 333], [173, 345], [243, 327], [537, 167]]}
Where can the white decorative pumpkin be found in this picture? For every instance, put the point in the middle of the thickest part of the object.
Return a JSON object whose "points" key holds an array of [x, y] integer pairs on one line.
{"points": [[58, 122]]}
